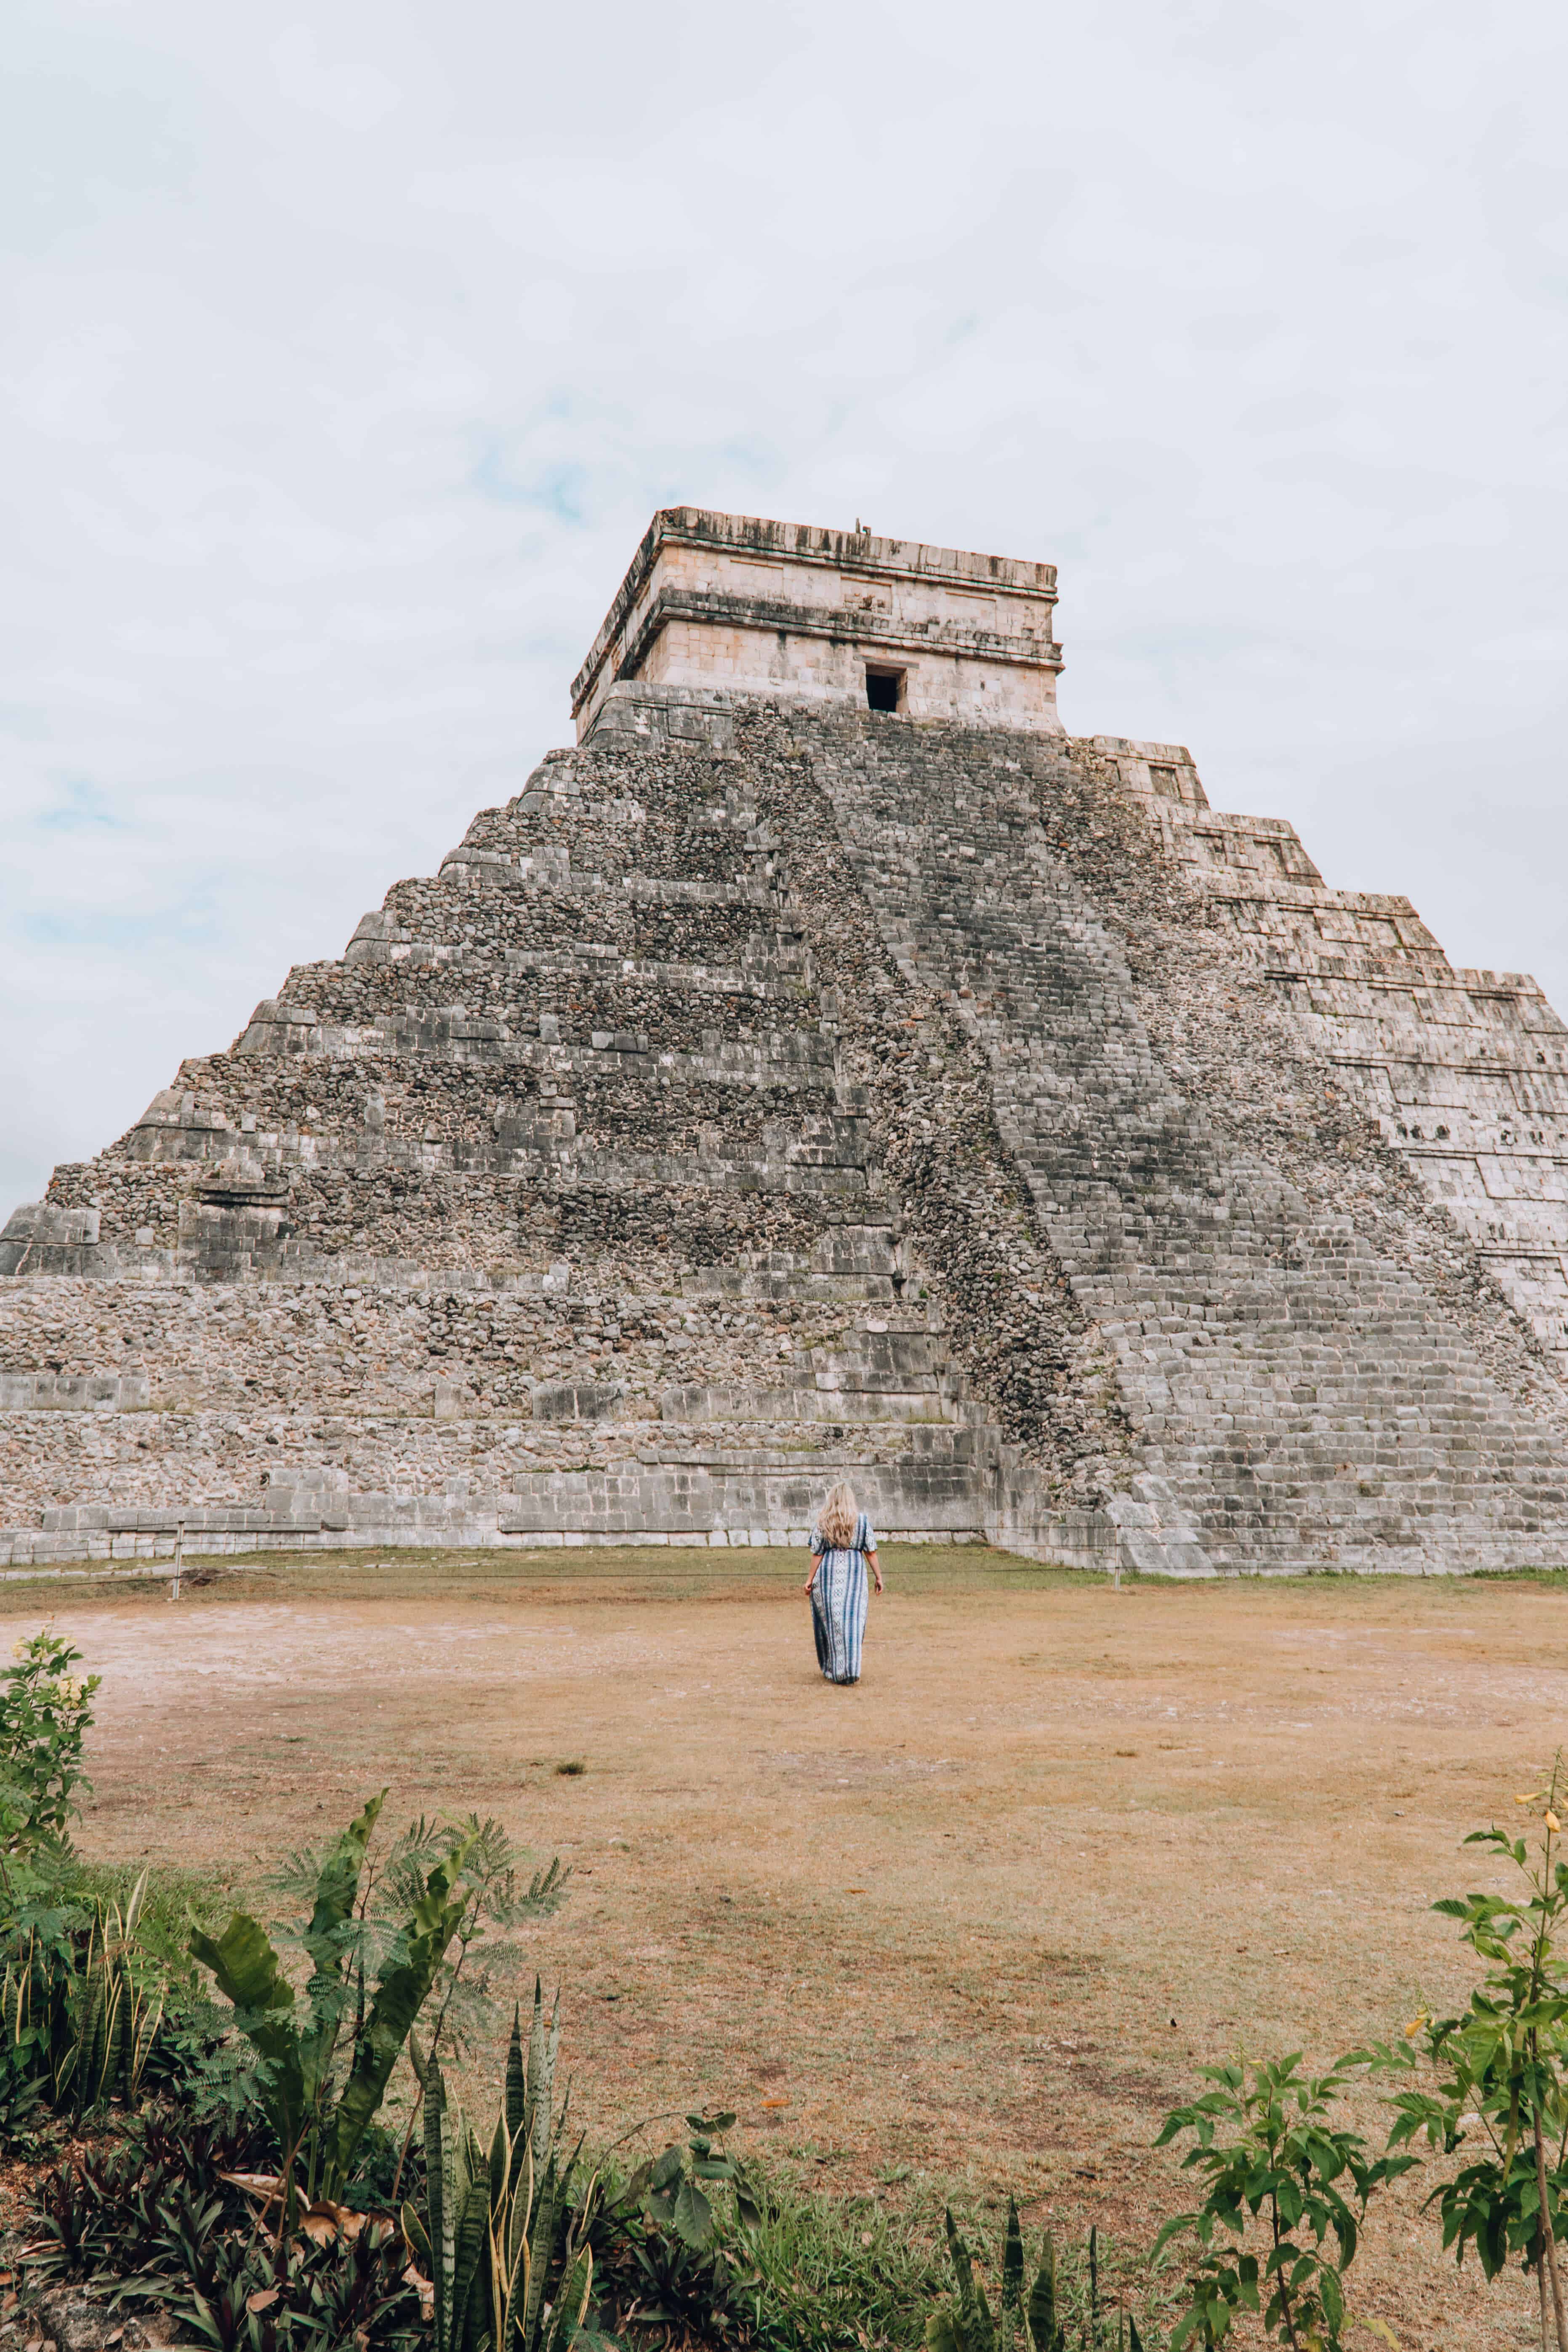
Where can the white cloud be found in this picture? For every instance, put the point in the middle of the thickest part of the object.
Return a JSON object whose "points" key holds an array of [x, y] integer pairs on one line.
{"points": [[341, 363]]}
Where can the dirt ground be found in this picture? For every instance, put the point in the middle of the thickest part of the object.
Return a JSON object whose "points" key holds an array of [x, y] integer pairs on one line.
{"points": [[978, 1920]]}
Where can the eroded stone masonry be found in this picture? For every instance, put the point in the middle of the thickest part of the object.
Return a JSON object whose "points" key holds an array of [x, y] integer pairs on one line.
{"points": [[828, 1067]]}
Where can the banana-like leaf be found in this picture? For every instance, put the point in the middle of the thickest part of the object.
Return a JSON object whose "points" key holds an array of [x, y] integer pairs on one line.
{"points": [[337, 1887], [405, 1983], [249, 1975], [328, 1940]]}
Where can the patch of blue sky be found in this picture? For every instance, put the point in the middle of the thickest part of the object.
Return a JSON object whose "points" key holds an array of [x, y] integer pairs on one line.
{"points": [[81, 808], [558, 490]]}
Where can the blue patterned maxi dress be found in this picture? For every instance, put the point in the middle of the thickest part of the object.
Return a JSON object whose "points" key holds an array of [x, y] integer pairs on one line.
{"points": [[838, 1601]]}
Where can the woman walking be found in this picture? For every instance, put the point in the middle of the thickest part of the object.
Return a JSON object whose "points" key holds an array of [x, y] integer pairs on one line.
{"points": [[843, 1548]]}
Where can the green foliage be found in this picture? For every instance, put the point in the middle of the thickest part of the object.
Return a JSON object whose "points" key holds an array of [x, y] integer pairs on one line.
{"points": [[672, 2191], [830, 2273], [81, 2003], [1031, 2322], [1279, 2175], [460, 2014], [1490, 2085], [326, 2062], [45, 1712], [162, 2214], [506, 2235], [678, 2240]]}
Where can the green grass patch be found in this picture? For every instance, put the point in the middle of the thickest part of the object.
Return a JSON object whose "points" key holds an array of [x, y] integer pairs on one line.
{"points": [[173, 1901]]}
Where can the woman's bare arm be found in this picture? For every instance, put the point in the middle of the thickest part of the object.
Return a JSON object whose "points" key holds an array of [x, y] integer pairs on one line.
{"points": [[871, 1563]]}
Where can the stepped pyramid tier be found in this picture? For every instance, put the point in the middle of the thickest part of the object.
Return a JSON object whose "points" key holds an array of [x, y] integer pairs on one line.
{"points": [[829, 1067]]}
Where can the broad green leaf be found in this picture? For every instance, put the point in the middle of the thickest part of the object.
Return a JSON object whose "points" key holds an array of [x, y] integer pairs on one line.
{"points": [[693, 2216], [337, 1885], [248, 1974], [401, 1992]]}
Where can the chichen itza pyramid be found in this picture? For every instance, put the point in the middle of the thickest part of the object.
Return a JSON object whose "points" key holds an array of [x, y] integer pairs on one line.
{"points": [[827, 1067]]}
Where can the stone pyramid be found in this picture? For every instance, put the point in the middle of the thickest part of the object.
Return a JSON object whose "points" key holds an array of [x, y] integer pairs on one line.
{"points": [[829, 1068]]}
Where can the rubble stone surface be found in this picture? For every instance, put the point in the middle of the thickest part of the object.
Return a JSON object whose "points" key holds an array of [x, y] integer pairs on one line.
{"points": [[779, 1090]]}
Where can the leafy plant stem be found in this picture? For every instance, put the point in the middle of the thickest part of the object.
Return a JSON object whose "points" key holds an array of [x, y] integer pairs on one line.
{"points": [[1548, 2240], [1285, 2311]]}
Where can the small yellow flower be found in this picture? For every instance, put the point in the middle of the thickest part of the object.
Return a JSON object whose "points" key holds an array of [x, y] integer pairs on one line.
{"points": [[1414, 2028], [19, 1648], [1529, 1800], [1552, 1824]]}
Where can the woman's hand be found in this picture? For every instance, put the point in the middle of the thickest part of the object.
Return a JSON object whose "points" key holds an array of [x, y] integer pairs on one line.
{"points": [[810, 1580], [877, 1574]]}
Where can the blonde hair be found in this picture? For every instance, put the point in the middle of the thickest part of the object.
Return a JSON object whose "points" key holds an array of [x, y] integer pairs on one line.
{"points": [[839, 1516]]}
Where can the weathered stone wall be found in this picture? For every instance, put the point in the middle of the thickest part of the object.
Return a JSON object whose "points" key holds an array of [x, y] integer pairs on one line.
{"points": [[773, 1092]]}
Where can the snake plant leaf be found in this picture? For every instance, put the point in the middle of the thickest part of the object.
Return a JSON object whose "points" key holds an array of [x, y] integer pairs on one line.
{"points": [[537, 2089], [1048, 2334], [249, 1973], [500, 2167], [516, 2078], [540, 2246], [571, 2305], [944, 2331], [436, 2218], [1012, 2269], [468, 2266], [415, 2237], [417, 1954], [973, 2311]]}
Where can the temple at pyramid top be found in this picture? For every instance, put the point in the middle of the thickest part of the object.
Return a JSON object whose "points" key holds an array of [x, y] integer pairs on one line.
{"points": [[732, 604]]}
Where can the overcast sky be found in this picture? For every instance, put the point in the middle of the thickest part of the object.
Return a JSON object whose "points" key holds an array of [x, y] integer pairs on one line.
{"points": [[344, 358]]}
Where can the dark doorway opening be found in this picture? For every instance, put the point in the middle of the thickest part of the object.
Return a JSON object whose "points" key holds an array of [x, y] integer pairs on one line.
{"points": [[884, 688]]}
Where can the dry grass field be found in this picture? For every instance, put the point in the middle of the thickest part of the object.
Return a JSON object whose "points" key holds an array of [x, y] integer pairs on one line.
{"points": [[975, 1921]]}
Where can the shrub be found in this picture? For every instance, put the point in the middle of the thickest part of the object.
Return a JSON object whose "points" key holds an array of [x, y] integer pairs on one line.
{"points": [[506, 2235], [45, 1712], [407, 1919], [1270, 2156]]}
